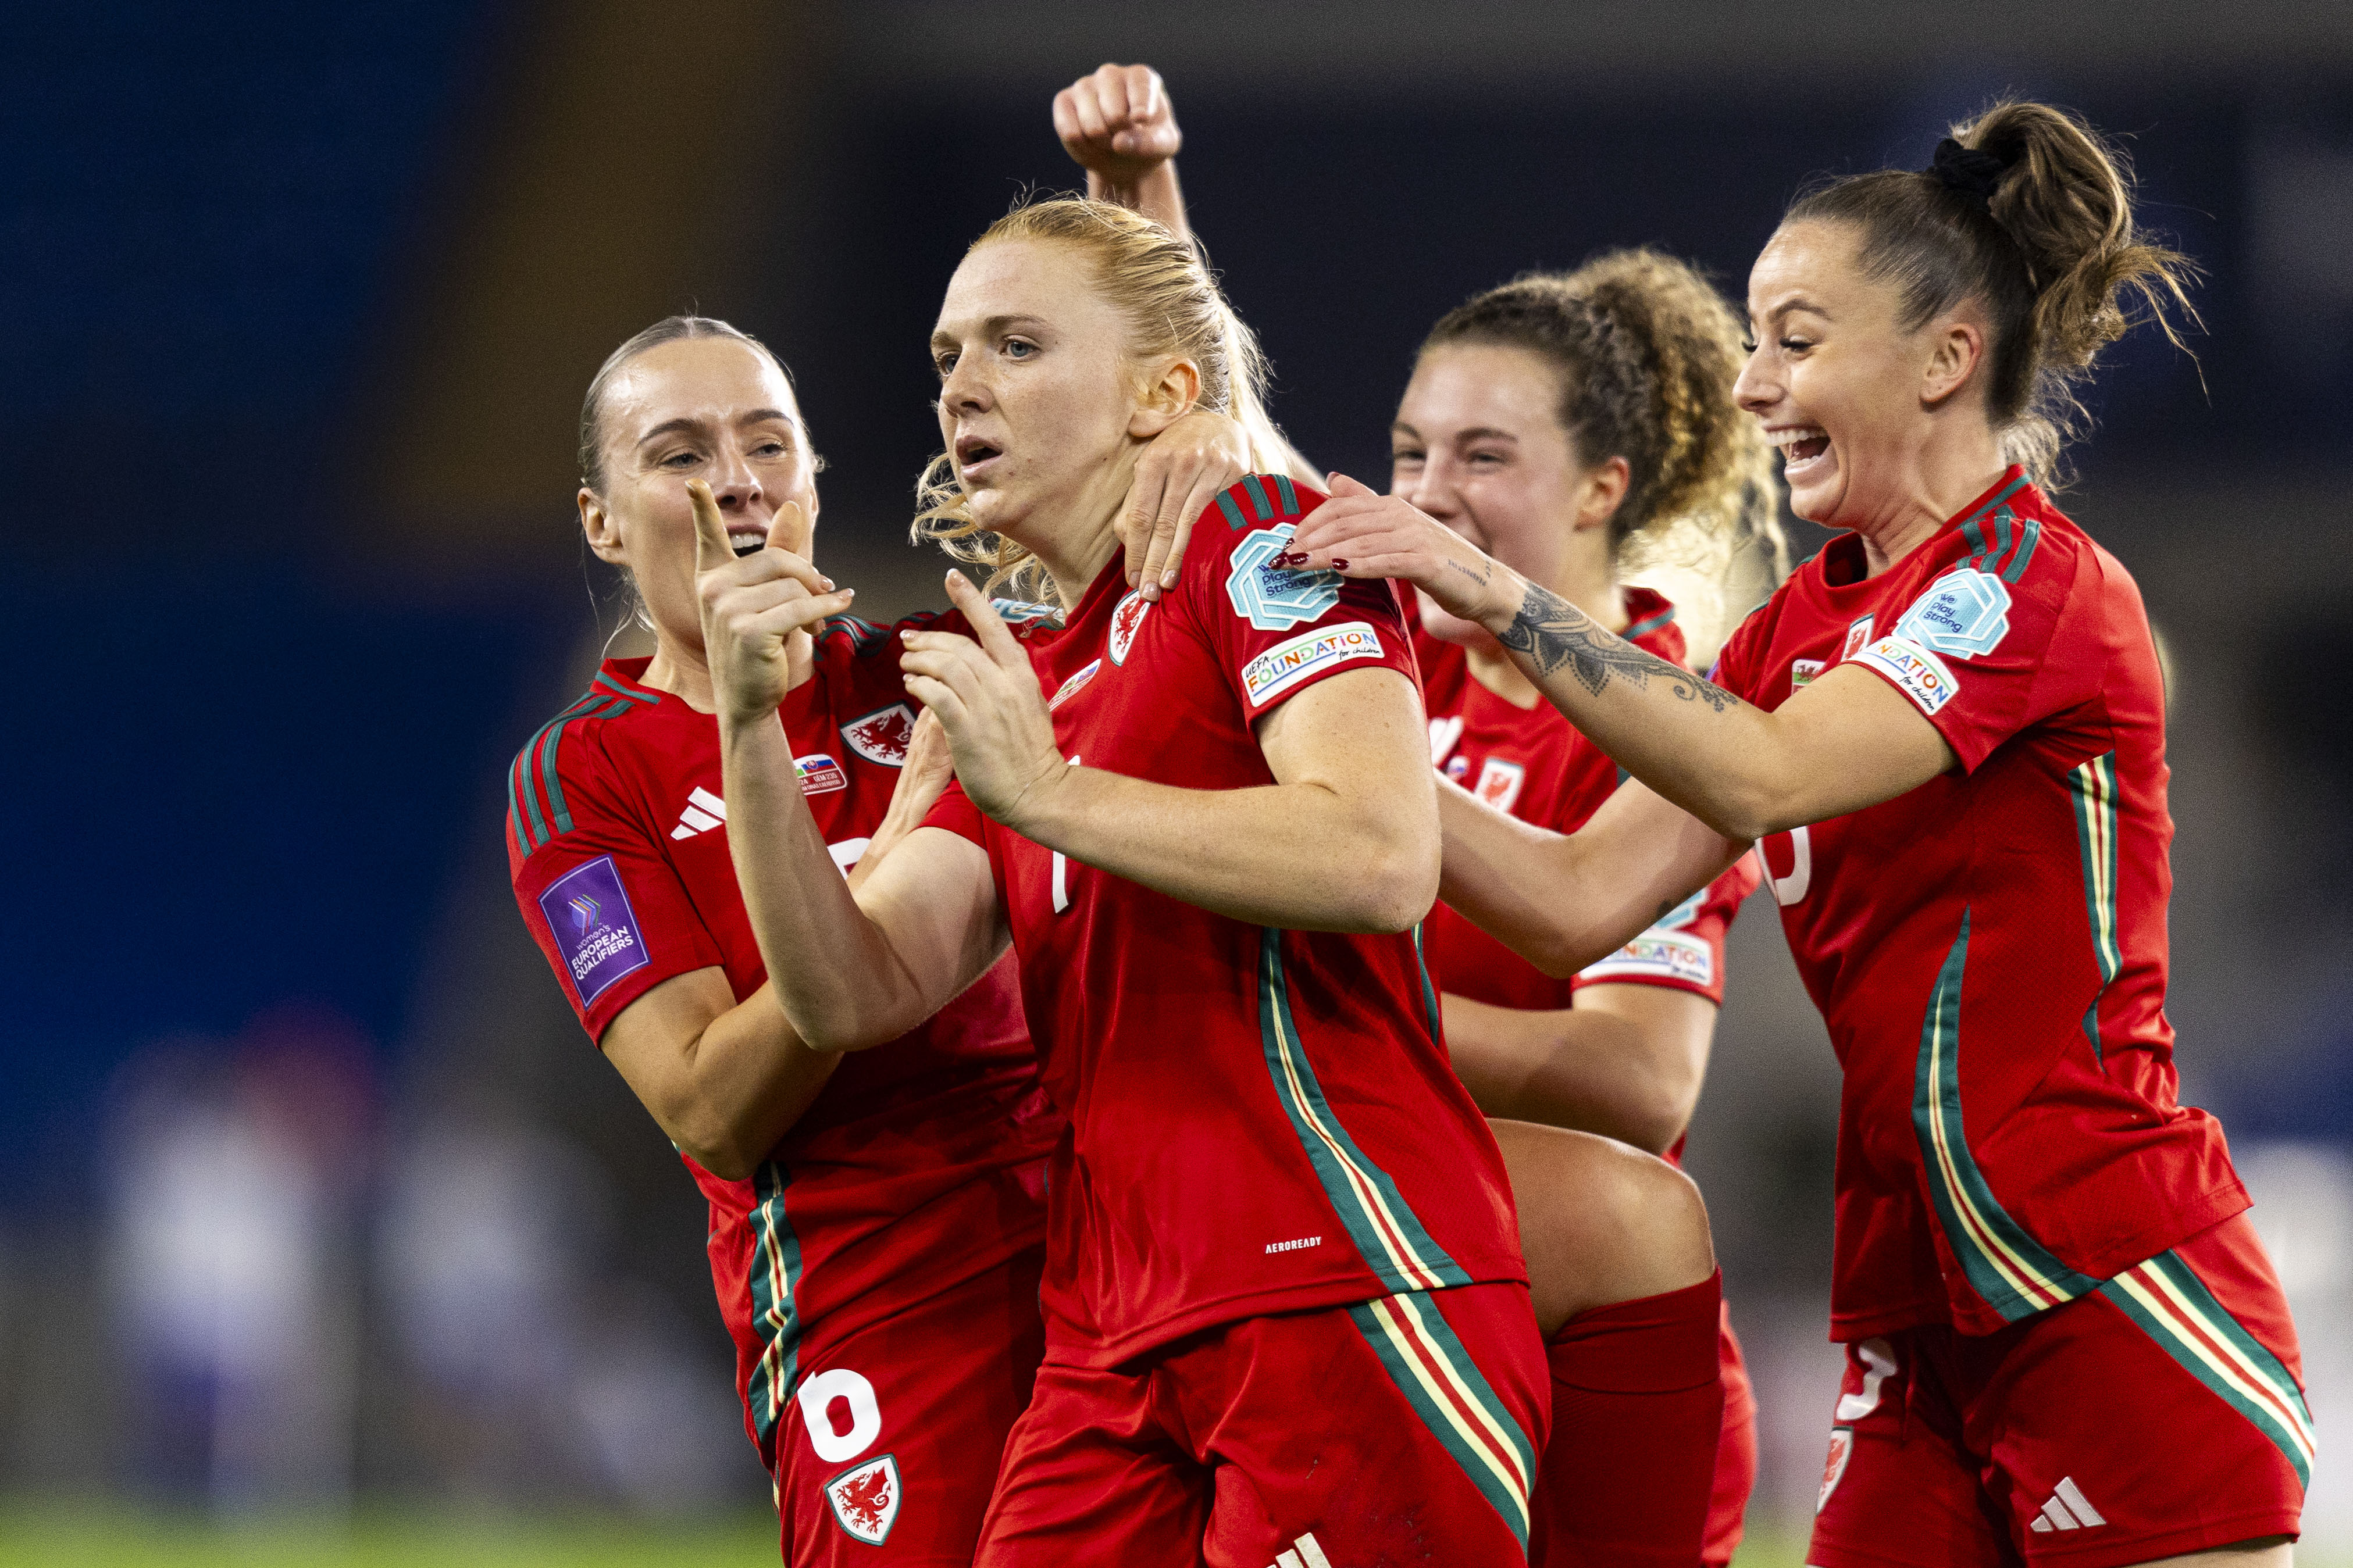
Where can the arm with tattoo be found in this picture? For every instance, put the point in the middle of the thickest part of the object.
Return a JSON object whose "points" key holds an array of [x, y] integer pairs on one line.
{"points": [[1550, 635]]}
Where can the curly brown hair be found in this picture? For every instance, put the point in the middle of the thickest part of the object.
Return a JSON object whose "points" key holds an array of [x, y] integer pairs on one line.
{"points": [[1647, 351]]}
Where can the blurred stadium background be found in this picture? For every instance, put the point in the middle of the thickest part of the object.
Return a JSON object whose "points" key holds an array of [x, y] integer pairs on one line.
{"points": [[323, 1235]]}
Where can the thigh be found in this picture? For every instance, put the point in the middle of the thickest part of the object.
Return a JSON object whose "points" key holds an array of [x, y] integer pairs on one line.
{"points": [[1900, 1485], [1402, 1429], [891, 1450], [2158, 1416], [1090, 1475]]}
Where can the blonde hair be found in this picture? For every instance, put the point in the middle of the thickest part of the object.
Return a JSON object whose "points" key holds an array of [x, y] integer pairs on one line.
{"points": [[1648, 353], [1165, 292], [2054, 252]]}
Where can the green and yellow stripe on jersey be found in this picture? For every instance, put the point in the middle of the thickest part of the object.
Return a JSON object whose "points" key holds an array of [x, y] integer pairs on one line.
{"points": [[1431, 1368], [775, 1280], [2015, 1274], [2173, 1307], [1389, 1236], [2094, 785]]}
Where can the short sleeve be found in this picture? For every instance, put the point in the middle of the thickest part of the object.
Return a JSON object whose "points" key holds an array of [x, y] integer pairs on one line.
{"points": [[1985, 653], [1683, 951], [954, 811], [1277, 632], [606, 906], [1736, 661]]}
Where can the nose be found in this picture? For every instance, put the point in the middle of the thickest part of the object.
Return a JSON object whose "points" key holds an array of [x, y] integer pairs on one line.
{"points": [[1757, 389], [965, 391], [1431, 490], [733, 485]]}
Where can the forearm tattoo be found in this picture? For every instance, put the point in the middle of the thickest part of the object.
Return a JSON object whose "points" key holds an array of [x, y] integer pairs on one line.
{"points": [[1554, 633]]}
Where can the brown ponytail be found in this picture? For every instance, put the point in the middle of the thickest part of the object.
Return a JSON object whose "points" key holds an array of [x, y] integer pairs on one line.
{"points": [[1647, 351], [2052, 250]]}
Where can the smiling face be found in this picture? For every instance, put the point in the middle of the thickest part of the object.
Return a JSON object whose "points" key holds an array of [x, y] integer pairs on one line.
{"points": [[1037, 398], [713, 409], [1478, 444], [1838, 384]]}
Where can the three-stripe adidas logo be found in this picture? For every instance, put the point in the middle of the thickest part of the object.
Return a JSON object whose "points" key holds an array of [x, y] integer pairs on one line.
{"points": [[704, 811], [1304, 1553], [2067, 1508]]}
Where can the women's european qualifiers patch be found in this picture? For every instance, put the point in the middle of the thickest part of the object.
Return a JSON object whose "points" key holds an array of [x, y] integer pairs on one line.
{"points": [[1285, 664], [596, 929]]}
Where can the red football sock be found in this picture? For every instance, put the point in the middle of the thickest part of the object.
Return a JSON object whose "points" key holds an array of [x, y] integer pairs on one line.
{"points": [[1637, 1407]]}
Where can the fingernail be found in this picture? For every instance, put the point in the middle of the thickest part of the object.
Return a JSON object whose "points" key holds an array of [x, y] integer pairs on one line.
{"points": [[1290, 558], [1151, 592], [1339, 563], [1168, 579], [827, 581]]}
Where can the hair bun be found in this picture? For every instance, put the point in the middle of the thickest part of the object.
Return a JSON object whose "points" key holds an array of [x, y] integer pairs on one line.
{"points": [[1972, 171]]}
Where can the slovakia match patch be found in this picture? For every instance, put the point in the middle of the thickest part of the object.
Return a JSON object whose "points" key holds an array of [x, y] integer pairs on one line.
{"points": [[1658, 955], [596, 929], [821, 774], [1917, 673], [1965, 613], [1285, 664], [866, 1500], [883, 736], [1274, 598]]}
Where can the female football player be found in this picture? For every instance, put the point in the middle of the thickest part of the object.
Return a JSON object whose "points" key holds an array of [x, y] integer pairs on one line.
{"points": [[2064, 1339], [877, 1226], [1287, 1314], [1574, 426]]}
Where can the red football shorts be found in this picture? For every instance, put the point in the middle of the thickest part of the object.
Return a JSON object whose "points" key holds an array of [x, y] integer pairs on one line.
{"points": [[1735, 1455], [890, 1451], [2161, 1413], [1402, 1429]]}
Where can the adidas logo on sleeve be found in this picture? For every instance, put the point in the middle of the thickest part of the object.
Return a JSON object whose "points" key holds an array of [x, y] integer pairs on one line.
{"points": [[1304, 1553], [2066, 1509]]}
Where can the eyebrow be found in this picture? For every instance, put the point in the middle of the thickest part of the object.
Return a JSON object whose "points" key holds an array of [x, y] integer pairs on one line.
{"points": [[990, 327], [1785, 306], [756, 417]]}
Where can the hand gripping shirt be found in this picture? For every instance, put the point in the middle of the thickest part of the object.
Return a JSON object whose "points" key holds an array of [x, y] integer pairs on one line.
{"points": [[1260, 1121], [1532, 763], [1989, 949], [921, 1164]]}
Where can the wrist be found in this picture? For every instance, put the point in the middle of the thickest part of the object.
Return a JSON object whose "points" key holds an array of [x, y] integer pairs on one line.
{"points": [[1504, 596], [754, 727], [1037, 812]]}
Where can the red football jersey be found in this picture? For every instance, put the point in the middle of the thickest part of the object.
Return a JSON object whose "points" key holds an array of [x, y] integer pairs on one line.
{"points": [[1261, 1120], [921, 1164], [1535, 764], [1989, 949]]}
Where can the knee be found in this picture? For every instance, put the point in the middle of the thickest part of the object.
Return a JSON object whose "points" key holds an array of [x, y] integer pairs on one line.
{"points": [[1601, 1223]]}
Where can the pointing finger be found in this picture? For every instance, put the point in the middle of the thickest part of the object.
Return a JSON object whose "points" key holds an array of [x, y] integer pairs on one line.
{"points": [[1003, 649], [712, 550]]}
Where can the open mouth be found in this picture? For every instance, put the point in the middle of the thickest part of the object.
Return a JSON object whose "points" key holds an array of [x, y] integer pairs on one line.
{"points": [[1801, 446], [974, 453], [744, 541]]}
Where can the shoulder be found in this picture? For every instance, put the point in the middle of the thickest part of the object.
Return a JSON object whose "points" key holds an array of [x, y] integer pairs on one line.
{"points": [[1651, 625], [567, 766], [1251, 522]]}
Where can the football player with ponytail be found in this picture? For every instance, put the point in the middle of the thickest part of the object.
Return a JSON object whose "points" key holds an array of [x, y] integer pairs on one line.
{"points": [[1580, 426], [2064, 1341]]}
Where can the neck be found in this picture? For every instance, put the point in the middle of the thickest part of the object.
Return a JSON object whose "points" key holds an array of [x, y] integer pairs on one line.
{"points": [[684, 669], [1593, 590], [1946, 474], [1076, 540]]}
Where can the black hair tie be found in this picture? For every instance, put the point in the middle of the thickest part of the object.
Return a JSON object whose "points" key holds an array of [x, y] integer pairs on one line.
{"points": [[1972, 171]]}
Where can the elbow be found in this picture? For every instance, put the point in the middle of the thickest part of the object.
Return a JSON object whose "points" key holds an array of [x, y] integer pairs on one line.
{"points": [[716, 1143], [1394, 890], [1660, 1116]]}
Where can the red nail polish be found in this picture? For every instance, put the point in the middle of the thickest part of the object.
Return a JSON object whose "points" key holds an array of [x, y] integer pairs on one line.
{"points": [[1339, 563]]}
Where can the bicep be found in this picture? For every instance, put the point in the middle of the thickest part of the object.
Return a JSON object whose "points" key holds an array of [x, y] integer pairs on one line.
{"points": [[934, 900], [1850, 740], [1360, 733], [649, 1042], [1675, 1026]]}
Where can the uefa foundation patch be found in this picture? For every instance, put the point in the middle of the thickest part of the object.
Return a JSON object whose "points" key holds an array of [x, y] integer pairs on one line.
{"points": [[866, 1500], [595, 931]]}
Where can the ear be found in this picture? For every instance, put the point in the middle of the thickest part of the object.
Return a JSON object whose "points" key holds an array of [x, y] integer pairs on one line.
{"points": [[604, 535], [1601, 492], [1167, 398], [1956, 347]]}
